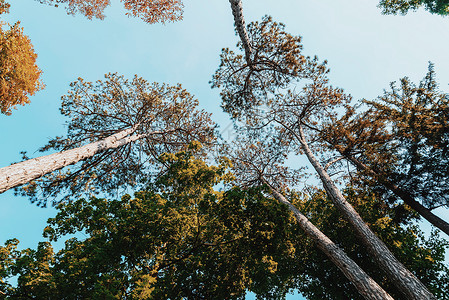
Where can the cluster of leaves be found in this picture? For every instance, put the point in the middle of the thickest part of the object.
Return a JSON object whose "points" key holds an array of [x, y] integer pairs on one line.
{"points": [[19, 74], [181, 239], [403, 136], [440, 7], [165, 119], [151, 11]]}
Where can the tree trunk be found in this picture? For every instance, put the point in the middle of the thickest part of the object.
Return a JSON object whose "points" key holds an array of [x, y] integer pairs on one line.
{"points": [[364, 284], [400, 276], [405, 196], [23, 172], [239, 21]]}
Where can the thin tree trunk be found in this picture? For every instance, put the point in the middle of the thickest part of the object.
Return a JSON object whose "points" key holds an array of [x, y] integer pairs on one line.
{"points": [[364, 284], [405, 196], [23, 172], [239, 21], [400, 276]]}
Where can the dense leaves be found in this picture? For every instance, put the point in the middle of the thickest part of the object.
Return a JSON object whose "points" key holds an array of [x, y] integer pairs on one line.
{"points": [[19, 74], [181, 239], [440, 7], [151, 11]]}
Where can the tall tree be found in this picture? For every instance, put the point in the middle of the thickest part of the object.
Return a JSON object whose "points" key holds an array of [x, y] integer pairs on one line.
{"points": [[400, 143], [19, 74], [440, 7], [316, 102], [116, 129], [151, 11]]}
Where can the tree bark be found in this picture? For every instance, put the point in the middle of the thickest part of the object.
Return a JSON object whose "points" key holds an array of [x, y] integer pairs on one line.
{"points": [[400, 276], [239, 21], [364, 284], [404, 195], [23, 172]]}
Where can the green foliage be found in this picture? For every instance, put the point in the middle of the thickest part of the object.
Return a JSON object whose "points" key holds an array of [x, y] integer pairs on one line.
{"points": [[440, 7], [182, 239], [179, 239], [423, 256]]}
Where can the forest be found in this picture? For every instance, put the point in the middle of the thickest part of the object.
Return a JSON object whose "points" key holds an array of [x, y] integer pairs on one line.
{"points": [[240, 149]]}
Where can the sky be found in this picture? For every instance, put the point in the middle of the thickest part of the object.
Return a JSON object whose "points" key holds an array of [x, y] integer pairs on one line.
{"points": [[365, 51]]}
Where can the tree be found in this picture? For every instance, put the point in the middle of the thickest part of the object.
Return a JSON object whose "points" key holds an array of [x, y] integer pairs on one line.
{"points": [[263, 103], [126, 125], [180, 238], [261, 164], [19, 74], [440, 7], [150, 11], [400, 144]]}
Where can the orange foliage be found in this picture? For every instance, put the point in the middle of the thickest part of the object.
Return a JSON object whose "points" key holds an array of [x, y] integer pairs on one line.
{"points": [[151, 11], [19, 74]]}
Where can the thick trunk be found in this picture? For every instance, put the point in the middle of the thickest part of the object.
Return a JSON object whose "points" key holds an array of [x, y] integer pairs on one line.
{"points": [[365, 285], [23, 172], [400, 276], [405, 196], [236, 6]]}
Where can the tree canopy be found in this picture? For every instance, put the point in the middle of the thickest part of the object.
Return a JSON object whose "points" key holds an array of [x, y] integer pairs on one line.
{"points": [[19, 74], [440, 7], [150, 11]]}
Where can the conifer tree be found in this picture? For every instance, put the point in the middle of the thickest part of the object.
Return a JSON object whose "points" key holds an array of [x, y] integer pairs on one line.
{"points": [[400, 144], [116, 130]]}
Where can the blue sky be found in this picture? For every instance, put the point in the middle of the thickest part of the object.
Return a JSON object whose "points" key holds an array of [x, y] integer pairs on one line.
{"points": [[365, 50]]}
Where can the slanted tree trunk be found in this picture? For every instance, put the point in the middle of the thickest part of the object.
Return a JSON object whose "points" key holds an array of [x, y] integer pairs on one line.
{"points": [[364, 284], [24, 172], [400, 276], [239, 21], [404, 195]]}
